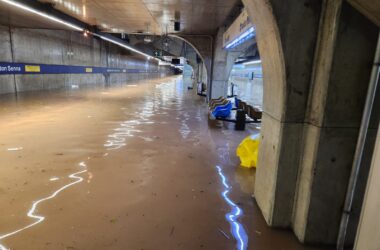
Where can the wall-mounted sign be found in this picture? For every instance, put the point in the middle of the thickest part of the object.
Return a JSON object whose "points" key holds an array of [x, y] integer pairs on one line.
{"points": [[7, 68], [240, 31]]}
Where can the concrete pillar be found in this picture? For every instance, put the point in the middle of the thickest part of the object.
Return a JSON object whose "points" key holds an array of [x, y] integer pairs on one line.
{"points": [[223, 61], [286, 34], [343, 60], [203, 45], [219, 78], [7, 82]]}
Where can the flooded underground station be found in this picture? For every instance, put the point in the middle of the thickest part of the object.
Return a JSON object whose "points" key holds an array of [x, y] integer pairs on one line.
{"points": [[132, 167], [189, 124]]}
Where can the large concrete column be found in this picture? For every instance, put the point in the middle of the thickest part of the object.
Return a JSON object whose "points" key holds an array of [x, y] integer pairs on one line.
{"points": [[219, 78], [223, 61], [7, 82], [203, 45], [343, 60], [286, 34]]}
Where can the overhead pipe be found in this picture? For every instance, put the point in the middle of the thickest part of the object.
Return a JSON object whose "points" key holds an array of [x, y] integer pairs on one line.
{"points": [[371, 93]]}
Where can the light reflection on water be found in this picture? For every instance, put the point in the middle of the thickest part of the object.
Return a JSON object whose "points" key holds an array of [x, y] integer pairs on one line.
{"points": [[32, 211], [167, 97], [152, 105], [232, 217], [164, 102], [128, 128]]}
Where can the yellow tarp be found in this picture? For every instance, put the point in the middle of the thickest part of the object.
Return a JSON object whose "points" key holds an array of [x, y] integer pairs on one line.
{"points": [[248, 151]]}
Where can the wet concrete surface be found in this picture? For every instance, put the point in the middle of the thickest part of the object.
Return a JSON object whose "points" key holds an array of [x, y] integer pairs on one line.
{"points": [[133, 167]]}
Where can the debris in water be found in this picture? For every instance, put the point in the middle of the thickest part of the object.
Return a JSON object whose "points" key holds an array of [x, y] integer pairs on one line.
{"points": [[222, 232]]}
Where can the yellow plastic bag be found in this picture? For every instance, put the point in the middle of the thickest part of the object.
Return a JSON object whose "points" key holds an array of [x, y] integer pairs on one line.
{"points": [[248, 151]]}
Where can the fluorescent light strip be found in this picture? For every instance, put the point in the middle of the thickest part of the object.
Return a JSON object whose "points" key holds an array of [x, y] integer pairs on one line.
{"points": [[243, 36], [73, 26], [125, 46], [26, 8], [252, 62]]}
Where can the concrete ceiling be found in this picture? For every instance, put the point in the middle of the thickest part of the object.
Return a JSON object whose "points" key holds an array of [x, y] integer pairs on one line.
{"points": [[155, 16], [19, 18], [370, 8]]}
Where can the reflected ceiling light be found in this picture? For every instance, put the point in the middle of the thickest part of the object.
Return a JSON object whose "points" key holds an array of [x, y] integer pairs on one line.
{"points": [[252, 62], [232, 217], [37, 12]]}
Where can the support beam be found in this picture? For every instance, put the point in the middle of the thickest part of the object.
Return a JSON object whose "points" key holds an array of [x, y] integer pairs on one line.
{"points": [[345, 48], [287, 65]]}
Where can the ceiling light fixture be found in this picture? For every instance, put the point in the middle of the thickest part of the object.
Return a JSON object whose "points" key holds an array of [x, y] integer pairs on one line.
{"points": [[148, 39], [250, 33], [86, 33], [73, 26], [37, 12], [252, 62], [124, 46]]}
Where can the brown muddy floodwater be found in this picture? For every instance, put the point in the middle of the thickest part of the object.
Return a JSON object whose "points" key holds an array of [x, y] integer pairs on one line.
{"points": [[133, 167]]}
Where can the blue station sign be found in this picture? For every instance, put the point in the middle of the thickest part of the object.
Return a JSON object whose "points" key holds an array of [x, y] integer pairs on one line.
{"points": [[7, 68]]}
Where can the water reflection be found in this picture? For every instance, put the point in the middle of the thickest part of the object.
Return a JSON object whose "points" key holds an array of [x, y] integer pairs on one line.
{"points": [[118, 138], [15, 149], [232, 217], [54, 179], [32, 211], [237, 229], [166, 101], [166, 98]]}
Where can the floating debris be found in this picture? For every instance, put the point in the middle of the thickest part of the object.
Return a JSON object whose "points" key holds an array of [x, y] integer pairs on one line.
{"points": [[172, 231], [224, 234]]}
